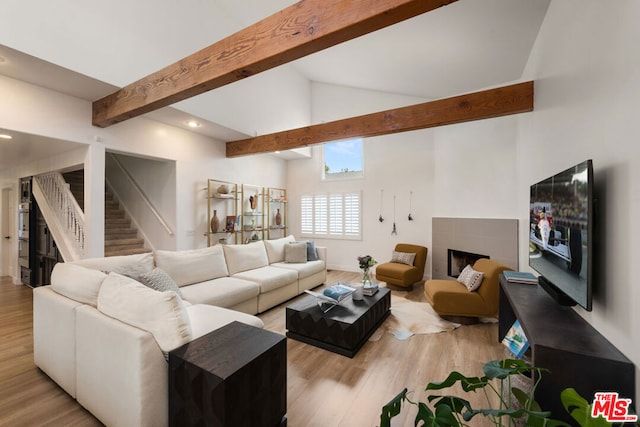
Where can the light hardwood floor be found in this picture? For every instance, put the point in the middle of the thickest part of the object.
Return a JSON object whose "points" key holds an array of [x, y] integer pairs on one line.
{"points": [[324, 389]]}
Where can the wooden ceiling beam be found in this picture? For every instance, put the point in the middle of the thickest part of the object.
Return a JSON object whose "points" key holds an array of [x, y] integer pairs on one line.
{"points": [[502, 101], [301, 29]]}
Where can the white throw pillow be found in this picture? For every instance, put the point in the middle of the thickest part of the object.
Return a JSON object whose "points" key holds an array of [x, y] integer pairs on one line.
{"points": [[160, 313], [128, 265], [275, 248], [470, 278], [245, 257], [194, 265], [78, 283]]}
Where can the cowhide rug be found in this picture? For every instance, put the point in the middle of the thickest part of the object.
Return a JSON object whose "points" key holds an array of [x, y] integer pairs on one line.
{"points": [[409, 318]]}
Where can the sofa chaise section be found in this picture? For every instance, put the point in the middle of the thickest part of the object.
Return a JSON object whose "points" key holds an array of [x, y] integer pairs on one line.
{"points": [[122, 374], [228, 292]]}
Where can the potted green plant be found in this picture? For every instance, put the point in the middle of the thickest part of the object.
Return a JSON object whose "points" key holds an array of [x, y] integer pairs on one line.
{"points": [[497, 381]]}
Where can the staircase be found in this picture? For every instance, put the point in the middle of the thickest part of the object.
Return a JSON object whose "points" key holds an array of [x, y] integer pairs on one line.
{"points": [[120, 238]]}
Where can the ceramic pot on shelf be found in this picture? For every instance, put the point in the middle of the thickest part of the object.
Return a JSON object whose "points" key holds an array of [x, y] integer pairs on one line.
{"points": [[278, 218], [253, 202], [215, 222]]}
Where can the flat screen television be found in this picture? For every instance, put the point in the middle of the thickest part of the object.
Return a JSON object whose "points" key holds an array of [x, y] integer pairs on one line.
{"points": [[561, 234]]}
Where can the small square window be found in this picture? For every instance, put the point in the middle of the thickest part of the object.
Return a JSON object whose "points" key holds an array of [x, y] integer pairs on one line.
{"points": [[343, 159]]}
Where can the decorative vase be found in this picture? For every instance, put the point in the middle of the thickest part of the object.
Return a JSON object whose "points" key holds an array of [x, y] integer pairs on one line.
{"points": [[357, 294], [366, 279], [278, 218], [253, 202], [215, 222]]}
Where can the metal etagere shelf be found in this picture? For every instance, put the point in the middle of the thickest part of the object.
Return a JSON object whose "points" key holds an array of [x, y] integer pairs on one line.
{"points": [[244, 213]]}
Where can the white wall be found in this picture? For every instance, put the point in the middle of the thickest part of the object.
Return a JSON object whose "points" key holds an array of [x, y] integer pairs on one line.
{"points": [[471, 163], [586, 67]]}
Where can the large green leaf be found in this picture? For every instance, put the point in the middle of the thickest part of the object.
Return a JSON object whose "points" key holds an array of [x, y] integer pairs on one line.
{"points": [[392, 409], [425, 415], [445, 416], [467, 383], [580, 409], [501, 369], [525, 399]]}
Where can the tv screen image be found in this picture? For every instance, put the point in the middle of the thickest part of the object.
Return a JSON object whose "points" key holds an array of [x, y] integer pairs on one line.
{"points": [[560, 234]]}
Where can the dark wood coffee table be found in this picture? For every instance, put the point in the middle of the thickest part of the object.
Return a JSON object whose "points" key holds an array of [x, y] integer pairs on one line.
{"points": [[344, 329]]}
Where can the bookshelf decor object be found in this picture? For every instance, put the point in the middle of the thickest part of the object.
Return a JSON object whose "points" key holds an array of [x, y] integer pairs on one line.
{"points": [[276, 213], [520, 277], [251, 221], [222, 203]]}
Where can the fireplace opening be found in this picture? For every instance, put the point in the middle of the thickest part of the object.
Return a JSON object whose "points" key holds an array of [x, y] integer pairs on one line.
{"points": [[458, 260]]}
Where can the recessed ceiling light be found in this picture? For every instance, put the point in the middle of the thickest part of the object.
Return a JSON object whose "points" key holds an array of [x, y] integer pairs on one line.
{"points": [[5, 136], [193, 124]]}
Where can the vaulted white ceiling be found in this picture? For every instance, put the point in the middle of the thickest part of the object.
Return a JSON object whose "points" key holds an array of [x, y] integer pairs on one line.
{"points": [[89, 49]]}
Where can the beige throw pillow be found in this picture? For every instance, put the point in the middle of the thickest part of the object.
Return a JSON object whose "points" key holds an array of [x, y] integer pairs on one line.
{"points": [[295, 252], [471, 278], [403, 257]]}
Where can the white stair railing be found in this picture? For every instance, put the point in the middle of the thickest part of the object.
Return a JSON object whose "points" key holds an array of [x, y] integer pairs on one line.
{"points": [[65, 207]]}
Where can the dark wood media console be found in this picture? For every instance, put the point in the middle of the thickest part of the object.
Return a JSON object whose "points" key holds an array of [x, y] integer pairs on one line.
{"points": [[570, 348]]}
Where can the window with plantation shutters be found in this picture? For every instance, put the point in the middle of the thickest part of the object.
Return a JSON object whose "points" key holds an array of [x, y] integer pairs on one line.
{"points": [[333, 215]]}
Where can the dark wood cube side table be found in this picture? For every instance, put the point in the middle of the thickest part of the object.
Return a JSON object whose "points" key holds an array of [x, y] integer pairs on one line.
{"points": [[233, 376]]}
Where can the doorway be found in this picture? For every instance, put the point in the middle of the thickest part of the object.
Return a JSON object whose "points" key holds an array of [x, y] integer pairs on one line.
{"points": [[7, 235]]}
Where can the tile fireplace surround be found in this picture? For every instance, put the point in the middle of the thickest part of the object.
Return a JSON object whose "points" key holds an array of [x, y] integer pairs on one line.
{"points": [[495, 237]]}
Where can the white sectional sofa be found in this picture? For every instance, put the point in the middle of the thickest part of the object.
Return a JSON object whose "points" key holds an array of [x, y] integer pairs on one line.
{"points": [[103, 336]]}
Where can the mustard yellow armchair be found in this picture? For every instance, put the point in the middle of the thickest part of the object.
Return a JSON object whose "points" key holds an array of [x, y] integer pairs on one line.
{"points": [[452, 298], [400, 274]]}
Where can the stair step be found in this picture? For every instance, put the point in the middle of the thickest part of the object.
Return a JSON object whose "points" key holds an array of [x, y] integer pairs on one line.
{"points": [[123, 230], [111, 214], [131, 251], [112, 243], [116, 223], [111, 235]]}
